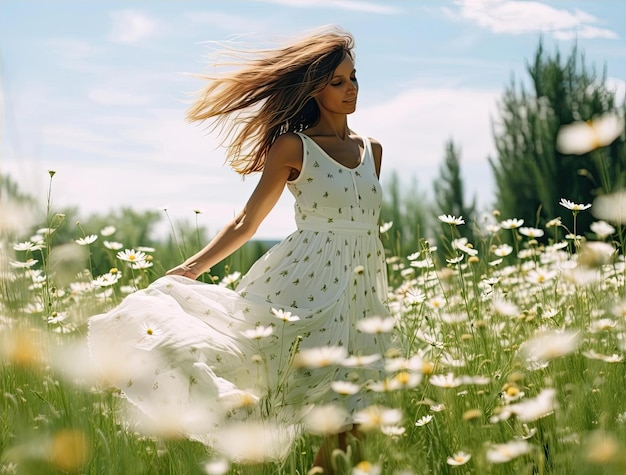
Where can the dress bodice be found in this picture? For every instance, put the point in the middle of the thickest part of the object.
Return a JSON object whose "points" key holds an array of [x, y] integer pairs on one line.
{"points": [[329, 194]]}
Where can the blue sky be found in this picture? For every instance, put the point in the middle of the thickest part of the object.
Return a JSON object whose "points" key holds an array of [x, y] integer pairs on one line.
{"points": [[97, 90]]}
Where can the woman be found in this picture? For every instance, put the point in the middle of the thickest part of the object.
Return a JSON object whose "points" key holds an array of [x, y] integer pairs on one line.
{"points": [[283, 335]]}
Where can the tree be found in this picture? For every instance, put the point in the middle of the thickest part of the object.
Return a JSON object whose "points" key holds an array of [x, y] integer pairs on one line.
{"points": [[531, 176], [450, 198], [408, 210]]}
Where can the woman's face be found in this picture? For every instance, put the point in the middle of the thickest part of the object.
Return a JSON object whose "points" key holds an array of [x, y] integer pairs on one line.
{"points": [[340, 94]]}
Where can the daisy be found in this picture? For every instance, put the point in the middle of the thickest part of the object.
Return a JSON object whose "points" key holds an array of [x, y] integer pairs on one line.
{"points": [[532, 409], [23, 246], [603, 324], [582, 137], [345, 388], [415, 255], [106, 280], [436, 303], [425, 263], [550, 345], [386, 385], [463, 245], [596, 253], [452, 220], [554, 222], [57, 317], [231, 279], [85, 241], [258, 332], [540, 276], [415, 363], [130, 255], [422, 421], [501, 453], [326, 420], [254, 442], [511, 223], [108, 230], [455, 260], [285, 316], [459, 458], [142, 265], [386, 227], [602, 229], [445, 381], [592, 355], [531, 232], [611, 207], [376, 325], [366, 468], [23, 265], [113, 245], [216, 467], [504, 308], [393, 431], [359, 361], [404, 379], [320, 357], [374, 417], [574, 206]]}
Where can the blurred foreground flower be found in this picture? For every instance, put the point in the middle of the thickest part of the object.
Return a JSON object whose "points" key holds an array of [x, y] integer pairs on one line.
{"points": [[69, 450], [251, 443], [325, 420], [581, 137], [501, 453], [550, 345], [22, 347], [375, 417], [602, 448], [320, 357], [366, 468], [531, 409], [611, 207]]}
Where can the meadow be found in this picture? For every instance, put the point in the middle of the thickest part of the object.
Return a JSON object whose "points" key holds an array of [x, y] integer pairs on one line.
{"points": [[507, 358]]}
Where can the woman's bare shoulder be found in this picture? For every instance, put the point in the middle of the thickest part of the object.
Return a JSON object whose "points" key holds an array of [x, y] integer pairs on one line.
{"points": [[287, 149]]}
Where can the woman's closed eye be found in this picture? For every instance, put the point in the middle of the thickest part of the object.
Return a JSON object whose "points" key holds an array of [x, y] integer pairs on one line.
{"points": [[339, 83]]}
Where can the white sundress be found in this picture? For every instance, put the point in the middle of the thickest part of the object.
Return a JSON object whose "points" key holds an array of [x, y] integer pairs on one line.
{"points": [[181, 342]]}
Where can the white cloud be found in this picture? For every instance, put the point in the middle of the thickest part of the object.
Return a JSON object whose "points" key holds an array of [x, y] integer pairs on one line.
{"points": [[352, 5], [130, 26], [414, 125], [585, 31], [522, 16], [144, 162]]}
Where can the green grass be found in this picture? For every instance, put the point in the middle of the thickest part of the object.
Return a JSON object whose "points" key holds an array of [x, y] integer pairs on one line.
{"points": [[450, 319]]}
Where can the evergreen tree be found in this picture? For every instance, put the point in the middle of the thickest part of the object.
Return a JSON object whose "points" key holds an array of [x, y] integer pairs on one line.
{"points": [[450, 198], [408, 209], [531, 176]]}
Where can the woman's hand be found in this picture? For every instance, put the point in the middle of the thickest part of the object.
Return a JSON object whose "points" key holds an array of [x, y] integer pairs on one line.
{"points": [[186, 270]]}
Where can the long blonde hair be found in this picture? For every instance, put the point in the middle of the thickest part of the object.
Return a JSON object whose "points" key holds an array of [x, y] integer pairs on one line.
{"points": [[270, 94]]}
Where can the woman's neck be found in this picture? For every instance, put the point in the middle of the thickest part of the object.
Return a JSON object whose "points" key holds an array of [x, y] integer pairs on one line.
{"points": [[332, 127]]}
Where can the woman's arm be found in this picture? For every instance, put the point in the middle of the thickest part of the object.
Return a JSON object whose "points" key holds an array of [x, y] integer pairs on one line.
{"points": [[284, 156], [377, 150]]}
